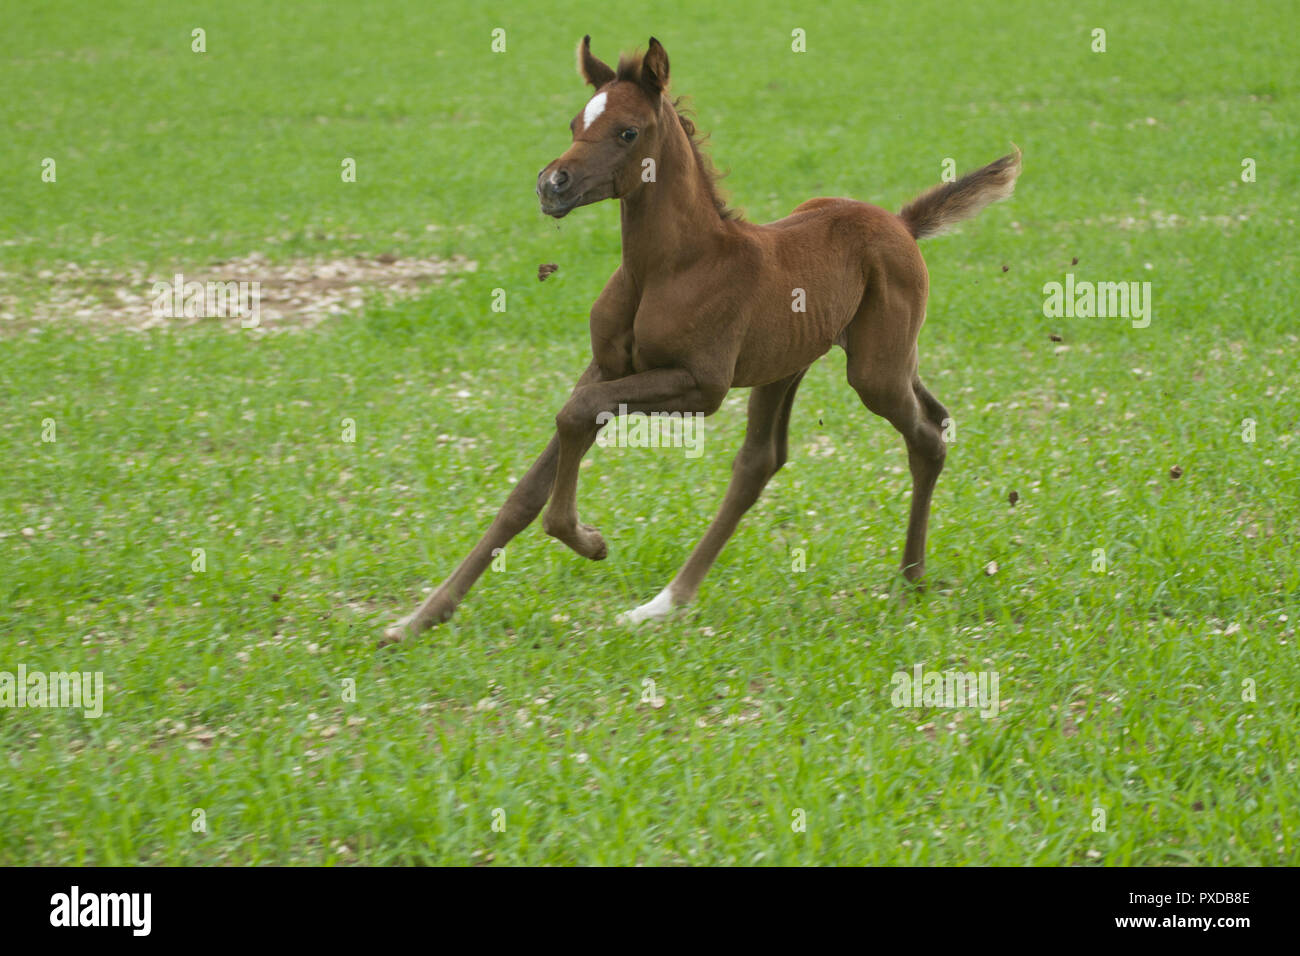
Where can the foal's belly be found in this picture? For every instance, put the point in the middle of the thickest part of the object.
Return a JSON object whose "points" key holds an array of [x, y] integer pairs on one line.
{"points": [[768, 356], [781, 340]]}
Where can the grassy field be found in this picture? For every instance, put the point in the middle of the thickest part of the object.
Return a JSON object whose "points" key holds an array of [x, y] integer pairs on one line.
{"points": [[1148, 708]]}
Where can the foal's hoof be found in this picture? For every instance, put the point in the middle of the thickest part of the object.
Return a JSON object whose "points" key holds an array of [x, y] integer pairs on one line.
{"points": [[436, 610], [397, 633], [592, 544], [660, 606], [582, 538]]}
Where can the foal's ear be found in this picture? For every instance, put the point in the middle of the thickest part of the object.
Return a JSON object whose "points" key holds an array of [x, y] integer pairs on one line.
{"points": [[654, 68], [591, 69]]}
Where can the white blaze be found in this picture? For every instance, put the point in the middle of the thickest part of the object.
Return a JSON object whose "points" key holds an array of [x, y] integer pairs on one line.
{"points": [[593, 110]]}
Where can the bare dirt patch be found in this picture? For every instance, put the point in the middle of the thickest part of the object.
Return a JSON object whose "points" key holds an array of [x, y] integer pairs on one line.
{"points": [[293, 294]]}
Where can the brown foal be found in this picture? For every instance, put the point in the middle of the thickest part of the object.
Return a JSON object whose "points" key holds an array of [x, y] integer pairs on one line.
{"points": [[703, 302]]}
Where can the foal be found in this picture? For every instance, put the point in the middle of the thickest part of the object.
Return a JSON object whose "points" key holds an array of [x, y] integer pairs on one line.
{"points": [[702, 303]]}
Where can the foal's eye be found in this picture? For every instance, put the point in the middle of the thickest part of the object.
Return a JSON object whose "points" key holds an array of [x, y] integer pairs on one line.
{"points": [[627, 135]]}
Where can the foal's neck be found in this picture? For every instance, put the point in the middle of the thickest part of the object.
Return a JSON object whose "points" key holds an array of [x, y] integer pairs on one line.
{"points": [[668, 223]]}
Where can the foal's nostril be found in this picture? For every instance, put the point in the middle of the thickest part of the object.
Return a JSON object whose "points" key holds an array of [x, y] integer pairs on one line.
{"points": [[559, 180]]}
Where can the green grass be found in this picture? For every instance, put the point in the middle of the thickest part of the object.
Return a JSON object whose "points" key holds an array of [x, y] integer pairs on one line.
{"points": [[1122, 690]]}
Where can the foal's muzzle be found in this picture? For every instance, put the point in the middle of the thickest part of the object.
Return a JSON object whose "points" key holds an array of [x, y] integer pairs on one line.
{"points": [[553, 189]]}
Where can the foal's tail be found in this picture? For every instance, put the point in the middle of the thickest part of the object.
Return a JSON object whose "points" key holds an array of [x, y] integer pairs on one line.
{"points": [[936, 209]]}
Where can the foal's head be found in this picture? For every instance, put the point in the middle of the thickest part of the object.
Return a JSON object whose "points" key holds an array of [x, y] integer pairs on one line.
{"points": [[619, 128]]}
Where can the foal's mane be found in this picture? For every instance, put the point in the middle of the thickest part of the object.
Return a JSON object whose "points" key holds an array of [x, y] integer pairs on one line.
{"points": [[629, 68]]}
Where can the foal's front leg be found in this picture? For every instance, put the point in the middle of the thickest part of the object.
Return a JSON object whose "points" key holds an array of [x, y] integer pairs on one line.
{"points": [[658, 390], [524, 503]]}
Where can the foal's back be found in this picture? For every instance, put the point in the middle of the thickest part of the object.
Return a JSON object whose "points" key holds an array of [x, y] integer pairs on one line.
{"points": [[815, 270]]}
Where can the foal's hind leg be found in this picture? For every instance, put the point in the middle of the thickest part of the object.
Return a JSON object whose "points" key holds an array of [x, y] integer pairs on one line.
{"points": [[926, 451], [882, 369], [760, 457], [921, 424]]}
